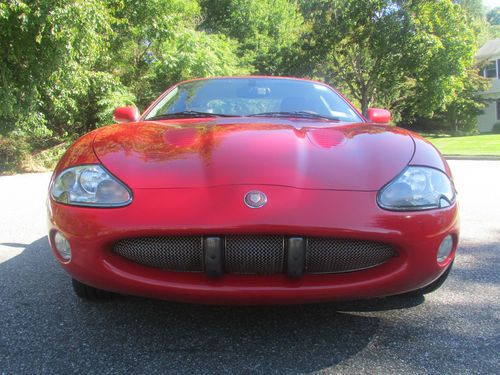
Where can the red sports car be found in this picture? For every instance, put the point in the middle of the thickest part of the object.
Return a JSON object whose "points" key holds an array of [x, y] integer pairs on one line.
{"points": [[253, 190]]}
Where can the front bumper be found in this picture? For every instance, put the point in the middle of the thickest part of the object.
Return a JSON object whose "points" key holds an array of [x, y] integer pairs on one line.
{"points": [[220, 210]]}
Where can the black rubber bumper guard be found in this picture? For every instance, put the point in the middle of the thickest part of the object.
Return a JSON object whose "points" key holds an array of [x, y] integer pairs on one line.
{"points": [[213, 250]]}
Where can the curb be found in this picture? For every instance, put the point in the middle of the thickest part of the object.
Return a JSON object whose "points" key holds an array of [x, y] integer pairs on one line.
{"points": [[472, 157]]}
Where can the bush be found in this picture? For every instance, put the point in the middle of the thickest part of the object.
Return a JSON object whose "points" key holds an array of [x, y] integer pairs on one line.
{"points": [[46, 159], [13, 151], [496, 128]]}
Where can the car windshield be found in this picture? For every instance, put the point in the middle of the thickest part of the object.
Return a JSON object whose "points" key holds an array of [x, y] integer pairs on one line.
{"points": [[235, 97]]}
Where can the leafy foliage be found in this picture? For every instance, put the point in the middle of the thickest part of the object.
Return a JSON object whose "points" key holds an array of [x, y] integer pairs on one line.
{"points": [[493, 16], [493, 19], [156, 44], [66, 64], [12, 152], [404, 55], [265, 29], [49, 49]]}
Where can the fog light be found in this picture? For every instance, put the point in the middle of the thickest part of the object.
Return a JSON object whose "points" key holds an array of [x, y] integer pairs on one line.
{"points": [[445, 248], [62, 246]]}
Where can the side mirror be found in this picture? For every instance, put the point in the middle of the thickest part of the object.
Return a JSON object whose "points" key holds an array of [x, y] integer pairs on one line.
{"points": [[126, 114], [379, 116]]}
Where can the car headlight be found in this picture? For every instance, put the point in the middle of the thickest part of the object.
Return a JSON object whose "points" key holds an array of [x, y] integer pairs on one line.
{"points": [[417, 188], [89, 185]]}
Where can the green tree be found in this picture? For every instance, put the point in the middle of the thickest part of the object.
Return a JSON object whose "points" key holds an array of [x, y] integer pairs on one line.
{"points": [[265, 29], [409, 56], [66, 64], [473, 8], [475, 14], [45, 67], [460, 114], [493, 16], [156, 44]]}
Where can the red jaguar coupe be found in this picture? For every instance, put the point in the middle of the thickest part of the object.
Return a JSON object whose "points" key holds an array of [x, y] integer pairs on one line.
{"points": [[253, 190]]}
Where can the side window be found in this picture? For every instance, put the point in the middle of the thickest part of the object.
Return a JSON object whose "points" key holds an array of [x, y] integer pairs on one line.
{"points": [[162, 106], [490, 70]]}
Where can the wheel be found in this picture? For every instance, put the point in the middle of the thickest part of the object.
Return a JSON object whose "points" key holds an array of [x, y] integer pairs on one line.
{"points": [[89, 292], [435, 285]]}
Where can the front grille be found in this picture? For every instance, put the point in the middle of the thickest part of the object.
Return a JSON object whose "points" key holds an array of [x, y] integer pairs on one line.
{"points": [[254, 254], [325, 255], [173, 253]]}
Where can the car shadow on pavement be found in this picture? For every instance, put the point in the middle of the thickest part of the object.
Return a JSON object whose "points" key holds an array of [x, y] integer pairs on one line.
{"points": [[46, 327]]}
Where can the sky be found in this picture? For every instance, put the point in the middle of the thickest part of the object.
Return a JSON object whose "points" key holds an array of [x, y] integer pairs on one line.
{"points": [[491, 3]]}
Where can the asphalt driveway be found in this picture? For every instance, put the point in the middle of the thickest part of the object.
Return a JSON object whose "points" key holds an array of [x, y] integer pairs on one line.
{"points": [[44, 328]]}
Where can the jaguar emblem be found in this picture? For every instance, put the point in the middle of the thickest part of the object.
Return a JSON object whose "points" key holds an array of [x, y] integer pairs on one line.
{"points": [[255, 199]]}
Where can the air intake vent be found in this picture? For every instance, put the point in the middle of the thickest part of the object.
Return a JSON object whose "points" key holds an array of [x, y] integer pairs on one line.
{"points": [[254, 254], [326, 255], [171, 253]]}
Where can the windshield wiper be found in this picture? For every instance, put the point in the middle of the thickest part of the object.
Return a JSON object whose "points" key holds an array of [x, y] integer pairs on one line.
{"points": [[188, 113], [302, 114]]}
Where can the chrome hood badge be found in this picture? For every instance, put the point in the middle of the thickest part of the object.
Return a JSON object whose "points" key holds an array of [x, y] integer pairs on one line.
{"points": [[255, 199]]}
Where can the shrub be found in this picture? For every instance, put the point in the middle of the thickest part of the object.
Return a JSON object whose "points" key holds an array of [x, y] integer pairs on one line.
{"points": [[496, 128], [13, 151]]}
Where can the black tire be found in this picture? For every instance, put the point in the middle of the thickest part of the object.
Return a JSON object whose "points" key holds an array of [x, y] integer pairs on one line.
{"points": [[435, 285], [89, 292]]}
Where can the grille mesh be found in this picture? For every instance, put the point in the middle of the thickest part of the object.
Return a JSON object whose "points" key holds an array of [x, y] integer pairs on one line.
{"points": [[254, 254], [173, 253], [326, 255]]}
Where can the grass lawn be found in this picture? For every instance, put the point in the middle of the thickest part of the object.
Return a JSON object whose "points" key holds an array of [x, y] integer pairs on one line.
{"points": [[487, 144]]}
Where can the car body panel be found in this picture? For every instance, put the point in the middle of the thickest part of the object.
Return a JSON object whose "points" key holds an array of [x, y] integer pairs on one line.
{"points": [[231, 151], [426, 154], [221, 210]]}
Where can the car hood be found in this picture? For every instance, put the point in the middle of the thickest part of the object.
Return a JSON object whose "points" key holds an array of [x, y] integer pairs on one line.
{"points": [[226, 151]]}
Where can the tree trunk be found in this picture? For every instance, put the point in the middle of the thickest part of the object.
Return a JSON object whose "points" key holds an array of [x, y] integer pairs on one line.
{"points": [[365, 103]]}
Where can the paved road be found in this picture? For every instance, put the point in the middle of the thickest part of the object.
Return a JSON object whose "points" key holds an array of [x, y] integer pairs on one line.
{"points": [[45, 329]]}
